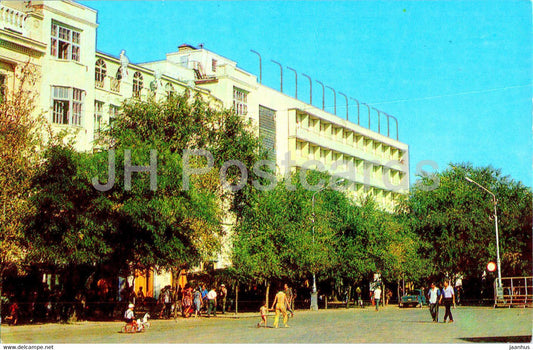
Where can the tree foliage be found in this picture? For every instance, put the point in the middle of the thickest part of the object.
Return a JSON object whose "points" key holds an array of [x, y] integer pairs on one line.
{"points": [[457, 221], [349, 242], [139, 227], [20, 142]]}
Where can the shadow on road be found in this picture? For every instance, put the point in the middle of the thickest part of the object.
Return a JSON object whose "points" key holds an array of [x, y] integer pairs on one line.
{"points": [[507, 339]]}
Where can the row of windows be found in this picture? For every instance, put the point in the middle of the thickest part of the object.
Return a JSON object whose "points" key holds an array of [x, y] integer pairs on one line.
{"points": [[383, 197], [333, 132], [345, 162], [100, 73]]}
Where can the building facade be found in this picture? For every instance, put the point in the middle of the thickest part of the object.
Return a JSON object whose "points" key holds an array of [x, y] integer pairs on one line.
{"points": [[81, 90], [298, 134]]}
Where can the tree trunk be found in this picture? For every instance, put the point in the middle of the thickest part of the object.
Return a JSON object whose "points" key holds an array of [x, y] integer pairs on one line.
{"points": [[237, 298]]}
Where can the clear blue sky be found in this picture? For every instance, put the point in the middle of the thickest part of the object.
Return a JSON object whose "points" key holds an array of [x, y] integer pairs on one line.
{"points": [[457, 74]]}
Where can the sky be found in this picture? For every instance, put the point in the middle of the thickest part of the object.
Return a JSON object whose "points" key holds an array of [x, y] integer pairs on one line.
{"points": [[456, 74]]}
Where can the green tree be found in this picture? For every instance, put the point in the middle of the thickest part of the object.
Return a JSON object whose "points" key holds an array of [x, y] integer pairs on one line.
{"points": [[274, 239], [20, 142], [456, 220], [174, 226], [372, 240]]}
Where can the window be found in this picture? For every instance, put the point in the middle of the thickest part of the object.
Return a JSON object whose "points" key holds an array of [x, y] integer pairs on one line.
{"points": [[113, 115], [98, 108], [137, 84], [240, 101], [67, 105], [99, 73], [3, 81], [214, 65], [65, 43]]}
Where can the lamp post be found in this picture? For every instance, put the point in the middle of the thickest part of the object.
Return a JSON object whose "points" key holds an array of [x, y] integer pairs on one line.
{"points": [[314, 299], [499, 290]]}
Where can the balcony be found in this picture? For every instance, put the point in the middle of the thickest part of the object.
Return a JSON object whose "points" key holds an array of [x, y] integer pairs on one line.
{"points": [[335, 144], [13, 20]]}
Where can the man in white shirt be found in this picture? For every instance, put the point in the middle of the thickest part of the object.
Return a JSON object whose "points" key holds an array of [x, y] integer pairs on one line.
{"points": [[449, 297], [377, 296], [434, 294], [211, 302]]}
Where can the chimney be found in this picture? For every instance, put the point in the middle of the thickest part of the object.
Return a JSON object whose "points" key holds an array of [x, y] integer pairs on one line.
{"points": [[186, 47]]}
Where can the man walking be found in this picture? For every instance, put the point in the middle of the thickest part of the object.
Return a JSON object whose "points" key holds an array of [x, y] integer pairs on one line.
{"points": [[289, 294], [434, 294], [377, 296], [449, 298], [212, 302], [222, 294]]}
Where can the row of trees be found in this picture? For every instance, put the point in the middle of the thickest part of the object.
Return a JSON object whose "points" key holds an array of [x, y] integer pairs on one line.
{"points": [[54, 217]]}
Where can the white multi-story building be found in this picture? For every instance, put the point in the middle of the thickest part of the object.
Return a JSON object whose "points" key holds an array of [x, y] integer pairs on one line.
{"points": [[299, 134]]}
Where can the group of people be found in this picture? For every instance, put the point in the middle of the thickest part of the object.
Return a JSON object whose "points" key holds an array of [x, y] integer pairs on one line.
{"points": [[441, 296], [283, 304], [191, 300], [188, 301]]}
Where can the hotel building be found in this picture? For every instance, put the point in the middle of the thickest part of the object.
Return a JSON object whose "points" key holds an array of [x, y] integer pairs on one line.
{"points": [[81, 89]]}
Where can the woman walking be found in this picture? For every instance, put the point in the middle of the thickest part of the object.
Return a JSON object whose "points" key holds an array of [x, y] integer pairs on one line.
{"points": [[197, 302], [187, 301]]}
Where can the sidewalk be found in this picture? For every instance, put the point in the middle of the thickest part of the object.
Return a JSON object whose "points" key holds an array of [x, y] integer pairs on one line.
{"points": [[389, 325]]}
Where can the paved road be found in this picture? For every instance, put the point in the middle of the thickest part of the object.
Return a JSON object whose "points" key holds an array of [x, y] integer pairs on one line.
{"points": [[389, 325]]}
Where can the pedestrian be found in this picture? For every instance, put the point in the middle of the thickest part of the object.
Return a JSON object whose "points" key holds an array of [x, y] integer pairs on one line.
{"points": [[222, 294], [377, 296], [289, 294], [280, 304], [197, 296], [13, 317], [204, 298], [186, 301], [175, 302], [212, 302], [140, 296], [264, 312], [167, 300], [359, 296], [449, 298], [434, 296], [389, 295]]}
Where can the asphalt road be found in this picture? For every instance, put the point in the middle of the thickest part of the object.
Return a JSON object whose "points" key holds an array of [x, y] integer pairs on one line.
{"points": [[389, 325]]}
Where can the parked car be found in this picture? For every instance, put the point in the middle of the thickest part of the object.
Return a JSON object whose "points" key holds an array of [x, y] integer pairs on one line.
{"points": [[414, 297]]}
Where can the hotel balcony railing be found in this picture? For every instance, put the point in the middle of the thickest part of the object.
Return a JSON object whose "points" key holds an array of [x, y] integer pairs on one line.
{"points": [[13, 20], [318, 138]]}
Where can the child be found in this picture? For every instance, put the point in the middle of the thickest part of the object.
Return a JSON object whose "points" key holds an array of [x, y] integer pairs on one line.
{"points": [[264, 312]]}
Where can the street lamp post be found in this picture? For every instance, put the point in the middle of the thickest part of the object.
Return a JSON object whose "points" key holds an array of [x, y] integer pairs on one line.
{"points": [[314, 297], [499, 290]]}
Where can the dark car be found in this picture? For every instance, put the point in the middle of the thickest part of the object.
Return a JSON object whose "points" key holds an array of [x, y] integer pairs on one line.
{"points": [[414, 297]]}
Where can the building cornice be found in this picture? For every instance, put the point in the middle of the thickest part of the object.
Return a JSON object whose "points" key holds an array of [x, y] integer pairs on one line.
{"points": [[69, 16], [18, 42]]}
